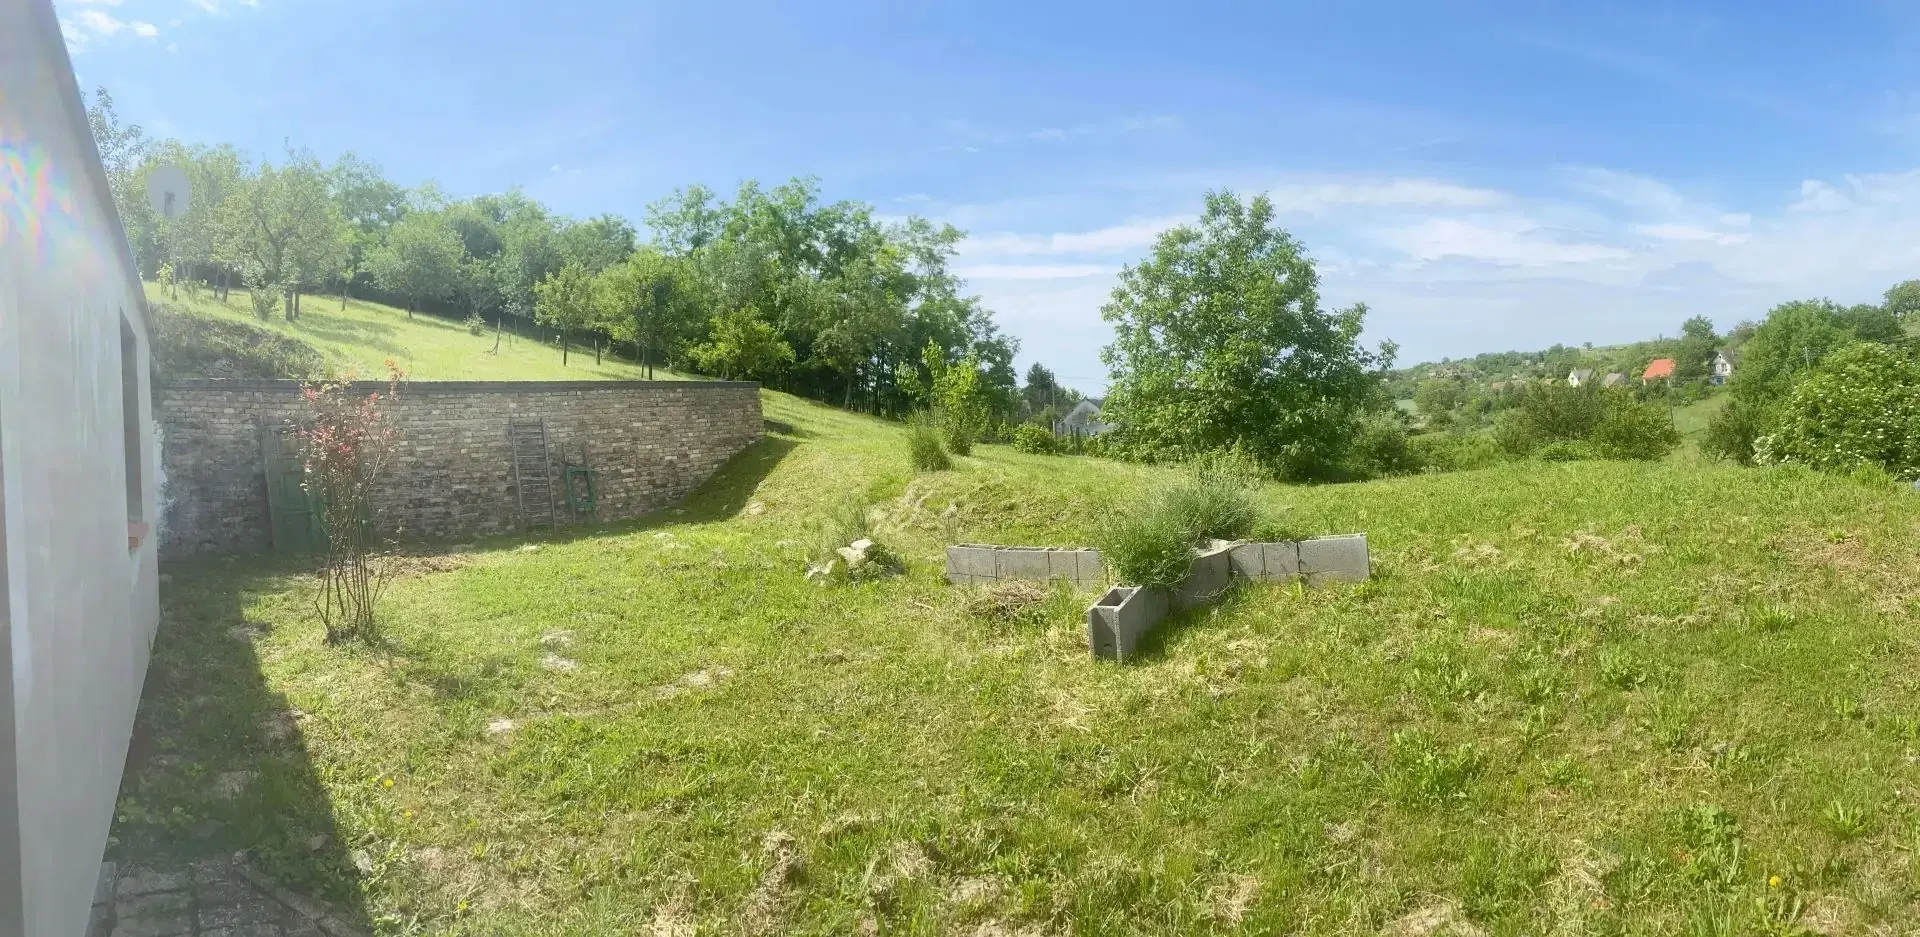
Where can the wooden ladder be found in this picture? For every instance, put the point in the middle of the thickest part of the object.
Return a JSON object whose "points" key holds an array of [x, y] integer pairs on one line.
{"points": [[532, 472]]}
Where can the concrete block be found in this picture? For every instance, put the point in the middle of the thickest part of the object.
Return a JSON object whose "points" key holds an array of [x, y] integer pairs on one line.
{"points": [[1249, 561], [1209, 576], [1282, 561], [1121, 617], [968, 563], [1093, 570], [1021, 563], [1063, 564], [1335, 559]]}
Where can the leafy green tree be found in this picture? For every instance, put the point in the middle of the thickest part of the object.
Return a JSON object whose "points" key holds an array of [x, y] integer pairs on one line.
{"points": [[1219, 339], [421, 260], [1693, 358], [564, 301], [652, 300], [1792, 340], [122, 148], [596, 243], [370, 205], [1902, 301], [1438, 398], [742, 346], [281, 229], [960, 399]]}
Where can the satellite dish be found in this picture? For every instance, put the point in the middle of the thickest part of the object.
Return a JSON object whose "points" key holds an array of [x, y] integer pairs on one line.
{"points": [[169, 192]]}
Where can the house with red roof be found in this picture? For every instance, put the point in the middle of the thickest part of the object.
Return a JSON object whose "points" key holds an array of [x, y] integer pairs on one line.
{"points": [[1660, 369]]}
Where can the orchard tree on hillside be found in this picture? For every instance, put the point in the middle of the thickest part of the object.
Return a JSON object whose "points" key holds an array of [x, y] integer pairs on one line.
{"points": [[565, 301], [1219, 339], [651, 300], [282, 230], [421, 261]]}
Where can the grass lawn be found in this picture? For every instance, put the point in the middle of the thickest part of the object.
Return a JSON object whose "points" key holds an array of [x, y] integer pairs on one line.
{"points": [[1588, 698], [1691, 420], [364, 335]]}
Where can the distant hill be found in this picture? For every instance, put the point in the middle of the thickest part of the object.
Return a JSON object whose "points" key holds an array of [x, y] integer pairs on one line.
{"points": [[1630, 359]]}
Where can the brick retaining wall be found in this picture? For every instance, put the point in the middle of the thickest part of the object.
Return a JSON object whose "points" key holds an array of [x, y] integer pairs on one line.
{"points": [[650, 443]]}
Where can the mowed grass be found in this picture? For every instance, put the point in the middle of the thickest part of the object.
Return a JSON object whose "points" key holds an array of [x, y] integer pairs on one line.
{"points": [[365, 335], [1590, 698]]}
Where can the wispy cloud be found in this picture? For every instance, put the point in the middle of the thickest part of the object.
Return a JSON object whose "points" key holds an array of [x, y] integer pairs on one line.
{"points": [[1317, 197], [1113, 127], [1033, 271], [1505, 240], [89, 24], [1130, 237]]}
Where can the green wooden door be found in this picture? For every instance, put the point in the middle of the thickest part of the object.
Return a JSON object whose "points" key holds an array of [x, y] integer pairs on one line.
{"points": [[297, 525]]}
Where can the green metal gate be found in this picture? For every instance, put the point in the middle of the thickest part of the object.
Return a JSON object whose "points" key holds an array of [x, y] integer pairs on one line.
{"points": [[296, 521]]}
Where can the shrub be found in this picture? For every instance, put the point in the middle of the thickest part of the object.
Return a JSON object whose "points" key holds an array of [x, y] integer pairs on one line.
{"points": [[1631, 430], [1514, 435], [844, 522], [475, 324], [1561, 411], [1152, 542], [1860, 406], [345, 444], [1453, 452], [266, 300], [1566, 450], [1380, 449], [1730, 433], [186, 345], [924, 448], [1035, 439]]}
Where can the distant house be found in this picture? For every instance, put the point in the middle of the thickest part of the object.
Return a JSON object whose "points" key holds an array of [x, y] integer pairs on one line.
{"points": [[1579, 376], [1722, 367], [1660, 369], [1614, 379], [1082, 420]]}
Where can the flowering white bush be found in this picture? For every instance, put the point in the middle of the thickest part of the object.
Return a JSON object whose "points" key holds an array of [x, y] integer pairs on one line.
{"points": [[1860, 407]]}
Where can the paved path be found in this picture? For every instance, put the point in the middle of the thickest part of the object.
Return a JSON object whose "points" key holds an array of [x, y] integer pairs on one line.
{"points": [[208, 898]]}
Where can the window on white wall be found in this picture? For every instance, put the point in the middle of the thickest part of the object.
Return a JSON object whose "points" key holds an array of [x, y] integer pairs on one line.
{"points": [[130, 397]]}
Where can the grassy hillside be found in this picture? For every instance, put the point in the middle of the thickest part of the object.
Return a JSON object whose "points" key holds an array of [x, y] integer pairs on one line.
{"points": [[364, 335], [1589, 698]]}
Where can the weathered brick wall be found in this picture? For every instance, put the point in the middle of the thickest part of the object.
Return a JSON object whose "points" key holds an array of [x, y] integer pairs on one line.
{"points": [[649, 442]]}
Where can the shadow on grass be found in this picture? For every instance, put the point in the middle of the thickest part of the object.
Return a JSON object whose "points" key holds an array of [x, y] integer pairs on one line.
{"points": [[219, 763]]}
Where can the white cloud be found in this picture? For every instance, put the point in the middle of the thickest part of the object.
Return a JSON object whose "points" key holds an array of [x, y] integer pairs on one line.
{"points": [[1032, 271], [1128, 238], [89, 24], [173, 47], [1506, 240], [211, 6], [1689, 232], [1314, 198]]}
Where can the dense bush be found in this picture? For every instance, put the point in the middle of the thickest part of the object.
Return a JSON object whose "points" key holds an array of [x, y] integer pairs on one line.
{"points": [[1152, 541], [1730, 434], [1566, 450], [1560, 411], [1633, 430], [1859, 407], [1035, 439], [1454, 452], [1380, 448], [475, 324], [924, 448]]}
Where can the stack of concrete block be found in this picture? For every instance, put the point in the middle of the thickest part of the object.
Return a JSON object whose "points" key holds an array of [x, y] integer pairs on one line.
{"points": [[1319, 560], [978, 564], [1123, 616]]}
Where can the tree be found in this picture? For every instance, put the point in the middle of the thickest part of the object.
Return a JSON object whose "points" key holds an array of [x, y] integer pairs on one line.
{"points": [[1693, 359], [960, 400], [282, 230], [651, 300], [565, 301], [597, 243], [1793, 339], [743, 346], [369, 205], [1219, 340], [122, 147], [1902, 301], [421, 261]]}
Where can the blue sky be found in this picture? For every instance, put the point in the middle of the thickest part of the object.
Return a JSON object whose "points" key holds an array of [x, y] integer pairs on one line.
{"points": [[1484, 176]]}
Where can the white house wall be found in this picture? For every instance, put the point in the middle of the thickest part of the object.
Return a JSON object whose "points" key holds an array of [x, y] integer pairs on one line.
{"points": [[80, 605]]}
